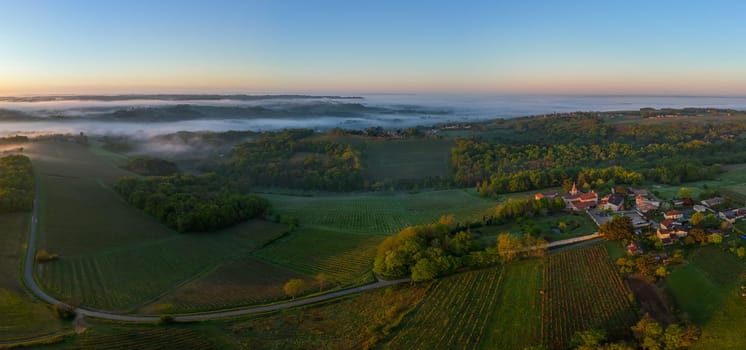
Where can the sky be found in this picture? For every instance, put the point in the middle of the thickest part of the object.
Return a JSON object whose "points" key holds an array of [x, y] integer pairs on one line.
{"points": [[348, 47]]}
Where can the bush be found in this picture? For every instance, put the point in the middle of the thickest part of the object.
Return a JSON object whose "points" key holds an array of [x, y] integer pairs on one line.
{"points": [[44, 256], [166, 319], [64, 311]]}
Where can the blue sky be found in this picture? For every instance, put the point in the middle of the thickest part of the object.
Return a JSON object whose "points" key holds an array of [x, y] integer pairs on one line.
{"points": [[640, 47]]}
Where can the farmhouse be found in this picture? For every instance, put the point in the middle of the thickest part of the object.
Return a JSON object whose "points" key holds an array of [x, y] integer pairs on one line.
{"points": [[613, 202], [634, 192], [699, 208], [667, 224], [671, 230], [732, 215], [713, 202], [673, 215], [645, 205], [664, 236]]}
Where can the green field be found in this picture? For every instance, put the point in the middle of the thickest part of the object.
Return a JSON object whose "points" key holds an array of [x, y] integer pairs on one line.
{"points": [[411, 158], [544, 225], [701, 287], [380, 213], [21, 317], [731, 181], [105, 244], [346, 259], [727, 325], [407, 159], [245, 281], [515, 322], [706, 289], [454, 314], [583, 291]]}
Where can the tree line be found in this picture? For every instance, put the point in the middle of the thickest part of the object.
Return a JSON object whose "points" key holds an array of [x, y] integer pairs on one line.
{"points": [[501, 168], [16, 184], [189, 203]]}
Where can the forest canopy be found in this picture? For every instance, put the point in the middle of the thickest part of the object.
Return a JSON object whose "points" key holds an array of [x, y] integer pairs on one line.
{"points": [[290, 158], [151, 166], [189, 203]]}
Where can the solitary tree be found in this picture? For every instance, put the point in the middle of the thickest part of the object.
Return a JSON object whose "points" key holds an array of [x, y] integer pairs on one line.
{"points": [[620, 227], [323, 280], [508, 246], [685, 192], [697, 219], [294, 287]]}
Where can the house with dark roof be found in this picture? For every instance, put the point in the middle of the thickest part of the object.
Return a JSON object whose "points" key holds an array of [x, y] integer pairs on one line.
{"points": [[713, 202]]}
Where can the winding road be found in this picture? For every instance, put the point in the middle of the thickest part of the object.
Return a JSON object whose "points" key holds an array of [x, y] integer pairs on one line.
{"points": [[30, 282]]}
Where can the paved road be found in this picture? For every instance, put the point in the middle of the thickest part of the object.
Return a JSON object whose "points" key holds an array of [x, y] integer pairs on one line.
{"points": [[28, 278]]}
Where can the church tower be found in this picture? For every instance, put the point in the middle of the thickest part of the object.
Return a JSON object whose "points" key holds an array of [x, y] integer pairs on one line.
{"points": [[574, 189]]}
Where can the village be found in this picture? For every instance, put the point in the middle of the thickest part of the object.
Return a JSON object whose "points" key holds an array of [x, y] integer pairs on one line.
{"points": [[659, 223]]}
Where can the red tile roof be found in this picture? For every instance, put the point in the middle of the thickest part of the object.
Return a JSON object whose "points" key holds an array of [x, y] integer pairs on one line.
{"points": [[667, 223], [579, 205]]}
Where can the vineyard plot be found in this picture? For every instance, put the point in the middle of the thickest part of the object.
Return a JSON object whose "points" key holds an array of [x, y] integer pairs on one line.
{"points": [[454, 315], [583, 291]]}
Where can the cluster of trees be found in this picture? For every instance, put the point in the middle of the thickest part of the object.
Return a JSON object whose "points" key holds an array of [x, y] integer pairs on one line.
{"points": [[646, 265], [476, 160], [681, 170], [428, 251], [515, 208], [189, 203], [150, 166], [16, 184], [648, 335], [289, 158], [618, 228], [424, 251], [587, 178], [510, 247]]}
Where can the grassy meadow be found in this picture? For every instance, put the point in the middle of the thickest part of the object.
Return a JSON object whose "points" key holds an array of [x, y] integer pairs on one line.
{"points": [[515, 321], [105, 244], [578, 224], [401, 159], [706, 290], [380, 214]]}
